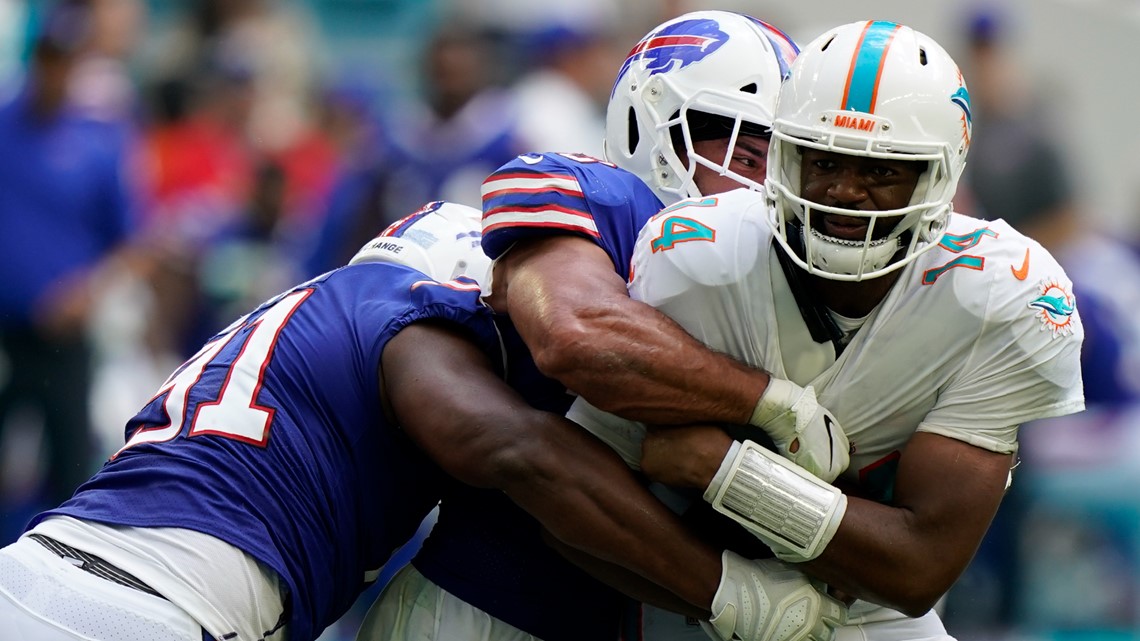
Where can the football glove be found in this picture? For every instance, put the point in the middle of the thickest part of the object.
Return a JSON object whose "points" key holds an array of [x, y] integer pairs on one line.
{"points": [[804, 431], [769, 600]]}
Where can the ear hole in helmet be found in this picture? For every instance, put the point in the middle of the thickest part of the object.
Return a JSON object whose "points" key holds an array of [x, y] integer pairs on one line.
{"points": [[922, 56], [634, 136], [749, 88], [828, 43]]}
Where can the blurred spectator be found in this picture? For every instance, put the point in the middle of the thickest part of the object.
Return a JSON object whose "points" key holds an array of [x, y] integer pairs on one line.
{"points": [[574, 53], [196, 153], [101, 84], [67, 212], [437, 147], [462, 129], [250, 260], [265, 54], [355, 205], [1017, 172], [270, 39]]}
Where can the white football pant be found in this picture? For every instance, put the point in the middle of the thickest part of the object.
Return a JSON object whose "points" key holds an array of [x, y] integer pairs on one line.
{"points": [[45, 598]]}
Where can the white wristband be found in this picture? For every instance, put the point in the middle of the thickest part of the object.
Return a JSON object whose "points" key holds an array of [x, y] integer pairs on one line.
{"points": [[787, 508], [722, 472]]}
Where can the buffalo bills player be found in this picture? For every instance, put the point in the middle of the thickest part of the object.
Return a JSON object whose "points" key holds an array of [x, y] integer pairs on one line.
{"points": [[689, 114], [931, 335], [266, 483]]}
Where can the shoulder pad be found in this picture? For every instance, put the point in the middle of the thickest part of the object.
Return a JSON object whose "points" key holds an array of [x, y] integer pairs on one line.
{"points": [[707, 242]]}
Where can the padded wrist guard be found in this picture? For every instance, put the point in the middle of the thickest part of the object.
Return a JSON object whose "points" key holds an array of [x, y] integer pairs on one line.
{"points": [[793, 512]]}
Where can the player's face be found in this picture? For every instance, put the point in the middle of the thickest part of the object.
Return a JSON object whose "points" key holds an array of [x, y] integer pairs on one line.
{"points": [[856, 182], [749, 159]]}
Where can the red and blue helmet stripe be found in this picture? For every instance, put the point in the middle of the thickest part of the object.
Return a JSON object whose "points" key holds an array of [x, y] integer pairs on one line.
{"points": [[397, 229], [786, 48]]}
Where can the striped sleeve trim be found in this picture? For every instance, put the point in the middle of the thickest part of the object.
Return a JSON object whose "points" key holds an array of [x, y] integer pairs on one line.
{"points": [[529, 183], [552, 217]]}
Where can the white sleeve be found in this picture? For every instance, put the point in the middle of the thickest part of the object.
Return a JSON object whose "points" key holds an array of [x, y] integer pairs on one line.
{"points": [[689, 262], [692, 262], [1021, 368], [622, 435]]}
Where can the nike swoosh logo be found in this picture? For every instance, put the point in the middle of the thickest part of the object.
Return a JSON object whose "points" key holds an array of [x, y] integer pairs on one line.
{"points": [[830, 440], [531, 159], [1021, 273]]}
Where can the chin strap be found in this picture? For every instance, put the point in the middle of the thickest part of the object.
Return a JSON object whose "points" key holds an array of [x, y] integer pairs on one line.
{"points": [[818, 320]]}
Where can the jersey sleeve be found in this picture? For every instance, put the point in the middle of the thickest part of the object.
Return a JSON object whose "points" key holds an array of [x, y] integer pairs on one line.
{"points": [[692, 261], [537, 195], [1025, 362], [413, 297]]}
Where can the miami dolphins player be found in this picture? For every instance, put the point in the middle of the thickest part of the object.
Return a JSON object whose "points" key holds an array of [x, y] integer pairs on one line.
{"points": [[690, 114], [931, 336], [272, 475]]}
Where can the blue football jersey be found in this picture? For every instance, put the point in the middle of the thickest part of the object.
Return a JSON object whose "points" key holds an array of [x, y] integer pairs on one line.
{"points": [[548, 194], [484, 549], [273, 437]]}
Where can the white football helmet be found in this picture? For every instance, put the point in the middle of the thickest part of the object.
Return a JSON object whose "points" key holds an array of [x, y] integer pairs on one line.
{"points": [[873, 89], [440, 240], [713, 63]]}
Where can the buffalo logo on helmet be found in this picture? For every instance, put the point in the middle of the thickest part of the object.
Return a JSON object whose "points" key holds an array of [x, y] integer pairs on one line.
{"points": [[675, 46]]}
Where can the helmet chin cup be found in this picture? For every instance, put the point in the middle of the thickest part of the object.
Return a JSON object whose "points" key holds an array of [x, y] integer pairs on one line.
{"points": [[848, 257]]}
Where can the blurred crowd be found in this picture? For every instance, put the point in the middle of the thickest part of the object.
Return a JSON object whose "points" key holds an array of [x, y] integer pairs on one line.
{"points": [[162, 177], [154, 188], [1061, 557]]}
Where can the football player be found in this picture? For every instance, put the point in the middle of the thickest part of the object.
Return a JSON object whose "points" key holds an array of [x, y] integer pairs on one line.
{"points": [[930, 335], [269, 479], [689, 114]]}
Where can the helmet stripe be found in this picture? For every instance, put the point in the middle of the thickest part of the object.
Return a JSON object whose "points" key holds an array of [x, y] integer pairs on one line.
{"points": [[786, 48], [867, 66], [397, 229]]}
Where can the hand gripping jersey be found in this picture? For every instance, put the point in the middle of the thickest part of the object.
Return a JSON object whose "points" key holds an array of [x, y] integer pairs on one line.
{"points": [[977, 336], [272, 438]]}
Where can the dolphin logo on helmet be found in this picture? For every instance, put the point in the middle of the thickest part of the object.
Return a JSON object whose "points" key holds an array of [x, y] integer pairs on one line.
{"points": [[675, 46], [961, 97]]}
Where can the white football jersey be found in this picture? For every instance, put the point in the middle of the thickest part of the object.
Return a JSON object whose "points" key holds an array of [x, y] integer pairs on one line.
{"points": [[979, 334]]}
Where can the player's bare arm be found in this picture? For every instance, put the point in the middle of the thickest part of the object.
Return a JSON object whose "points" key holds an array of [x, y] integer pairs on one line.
{"points": [[904, 555], [576, 316], [446, 396], [483, 433]]}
